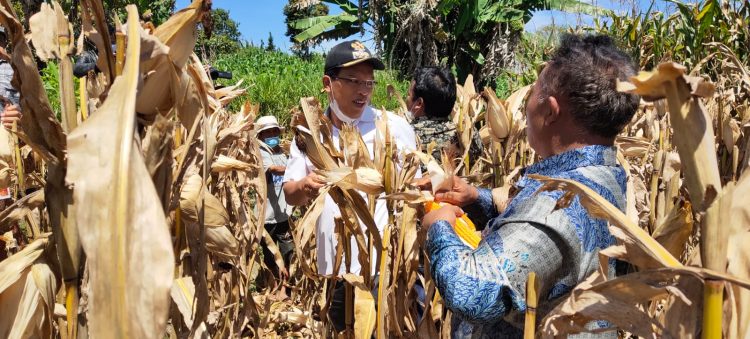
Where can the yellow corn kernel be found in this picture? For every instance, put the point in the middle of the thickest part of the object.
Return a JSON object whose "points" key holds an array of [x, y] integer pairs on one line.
{"points": [[464, 227]]}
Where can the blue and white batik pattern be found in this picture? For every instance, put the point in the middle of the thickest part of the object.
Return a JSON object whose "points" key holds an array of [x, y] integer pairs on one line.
{"points": [[485, 287]]}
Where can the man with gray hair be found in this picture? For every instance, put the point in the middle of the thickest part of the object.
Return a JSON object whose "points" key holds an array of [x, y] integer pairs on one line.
{"points": [[573, 114]]}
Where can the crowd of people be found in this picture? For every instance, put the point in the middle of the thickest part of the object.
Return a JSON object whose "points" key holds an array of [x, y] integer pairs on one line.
{"points": [[573, 114]]}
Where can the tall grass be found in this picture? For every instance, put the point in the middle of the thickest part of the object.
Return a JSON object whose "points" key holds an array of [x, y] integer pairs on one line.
{"points": [[276, 80]]}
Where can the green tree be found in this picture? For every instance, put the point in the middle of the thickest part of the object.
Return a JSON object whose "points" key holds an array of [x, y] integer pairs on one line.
{"points": [[479, 37], [225, 36], [299, 11], [271, 47]]}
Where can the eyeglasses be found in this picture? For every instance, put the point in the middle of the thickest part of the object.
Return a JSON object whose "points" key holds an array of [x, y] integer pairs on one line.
{"points": [[369, 84]]}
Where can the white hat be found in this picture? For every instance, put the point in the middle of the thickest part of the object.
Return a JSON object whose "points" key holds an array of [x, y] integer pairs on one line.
{"points": [[267, 122]]}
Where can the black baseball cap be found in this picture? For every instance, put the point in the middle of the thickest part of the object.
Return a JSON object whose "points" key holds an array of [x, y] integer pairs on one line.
{"points": [[349, 53]]}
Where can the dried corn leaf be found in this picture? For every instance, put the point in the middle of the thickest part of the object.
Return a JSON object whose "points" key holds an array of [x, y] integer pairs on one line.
{"points": [[129, 235], [730, 132], [516, 108], [225, 95], [219, 239], [183, 295], [43, 33], [28, 303], [693, 135], [649, 252], [166, 82], [618, 301], [738, 257], [634, 244], [402, 108], [20, 209], [675, 230], [364, 307], [633, 146], [179, 32], [157, 149]]}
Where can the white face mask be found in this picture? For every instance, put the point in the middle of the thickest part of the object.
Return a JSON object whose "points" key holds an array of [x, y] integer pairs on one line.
{"points": [[339, 114]]}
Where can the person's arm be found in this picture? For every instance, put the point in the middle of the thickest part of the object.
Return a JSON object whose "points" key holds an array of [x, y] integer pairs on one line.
{"points": [[299, 185], [269, 166], [476, 202], [485, 284], [483, 209], [276, 169], [300, 192]]}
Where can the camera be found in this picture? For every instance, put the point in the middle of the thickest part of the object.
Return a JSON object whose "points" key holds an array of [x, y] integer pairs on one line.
{"points": [[217, 74]]}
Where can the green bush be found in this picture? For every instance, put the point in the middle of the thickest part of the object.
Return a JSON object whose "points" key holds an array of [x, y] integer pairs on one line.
{"points": [[277, 81]]}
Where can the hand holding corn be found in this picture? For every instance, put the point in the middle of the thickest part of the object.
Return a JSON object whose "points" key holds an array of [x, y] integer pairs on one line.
{"points": [[455, 216]]}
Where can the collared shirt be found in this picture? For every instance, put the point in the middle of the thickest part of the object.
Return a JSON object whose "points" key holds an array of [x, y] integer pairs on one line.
{"points": [[276, 207], [300, 166], [485, 287], [443, 132]]}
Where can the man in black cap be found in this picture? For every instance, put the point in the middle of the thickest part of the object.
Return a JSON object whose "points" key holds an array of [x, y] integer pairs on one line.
{"points": [[349, 82]]}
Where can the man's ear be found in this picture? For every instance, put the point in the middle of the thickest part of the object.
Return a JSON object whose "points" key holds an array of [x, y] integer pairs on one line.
{"points": [[418, 106], [552, 113], [327, 83]]}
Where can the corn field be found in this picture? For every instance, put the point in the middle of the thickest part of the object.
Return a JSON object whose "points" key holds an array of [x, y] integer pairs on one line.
{"points": [[137, 213]]}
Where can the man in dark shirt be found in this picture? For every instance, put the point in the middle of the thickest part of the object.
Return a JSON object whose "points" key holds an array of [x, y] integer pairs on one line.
{"points": [[432, 95]]}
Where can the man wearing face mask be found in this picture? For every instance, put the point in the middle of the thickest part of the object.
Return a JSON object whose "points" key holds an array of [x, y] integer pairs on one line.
{"points": [[274, 163], [349, 82], [431, 97]]}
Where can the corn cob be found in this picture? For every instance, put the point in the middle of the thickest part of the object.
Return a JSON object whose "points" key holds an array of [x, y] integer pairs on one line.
{"points": [[464, 227]]}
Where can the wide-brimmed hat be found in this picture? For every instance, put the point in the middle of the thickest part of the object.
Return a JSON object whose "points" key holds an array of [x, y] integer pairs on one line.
{"points": [[349, 53], [267, 122]]}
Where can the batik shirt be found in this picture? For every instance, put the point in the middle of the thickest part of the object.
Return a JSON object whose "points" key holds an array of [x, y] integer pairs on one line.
{"points": [[485, 287], [443, 132]]}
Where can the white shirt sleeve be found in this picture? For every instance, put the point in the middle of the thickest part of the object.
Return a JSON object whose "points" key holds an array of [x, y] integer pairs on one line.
{"points": [[296, 167], [403, 132]]}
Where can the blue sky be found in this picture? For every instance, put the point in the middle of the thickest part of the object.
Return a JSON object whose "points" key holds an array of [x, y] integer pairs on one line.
{"points": [[257, 18]]}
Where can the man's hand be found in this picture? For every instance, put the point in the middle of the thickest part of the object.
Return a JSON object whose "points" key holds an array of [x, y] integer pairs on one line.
{"points": [[10, 115], [311, 184], [279, 170], [461, 194], [448, 213]]}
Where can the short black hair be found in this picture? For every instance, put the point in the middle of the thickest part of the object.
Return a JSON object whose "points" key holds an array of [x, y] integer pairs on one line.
{"points": [[584, 71], [437, 87]]}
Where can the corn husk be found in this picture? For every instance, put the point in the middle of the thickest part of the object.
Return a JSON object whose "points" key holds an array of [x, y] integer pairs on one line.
{"points": [[364, 179], [497, 116], [227, 164], [219, 239]]}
